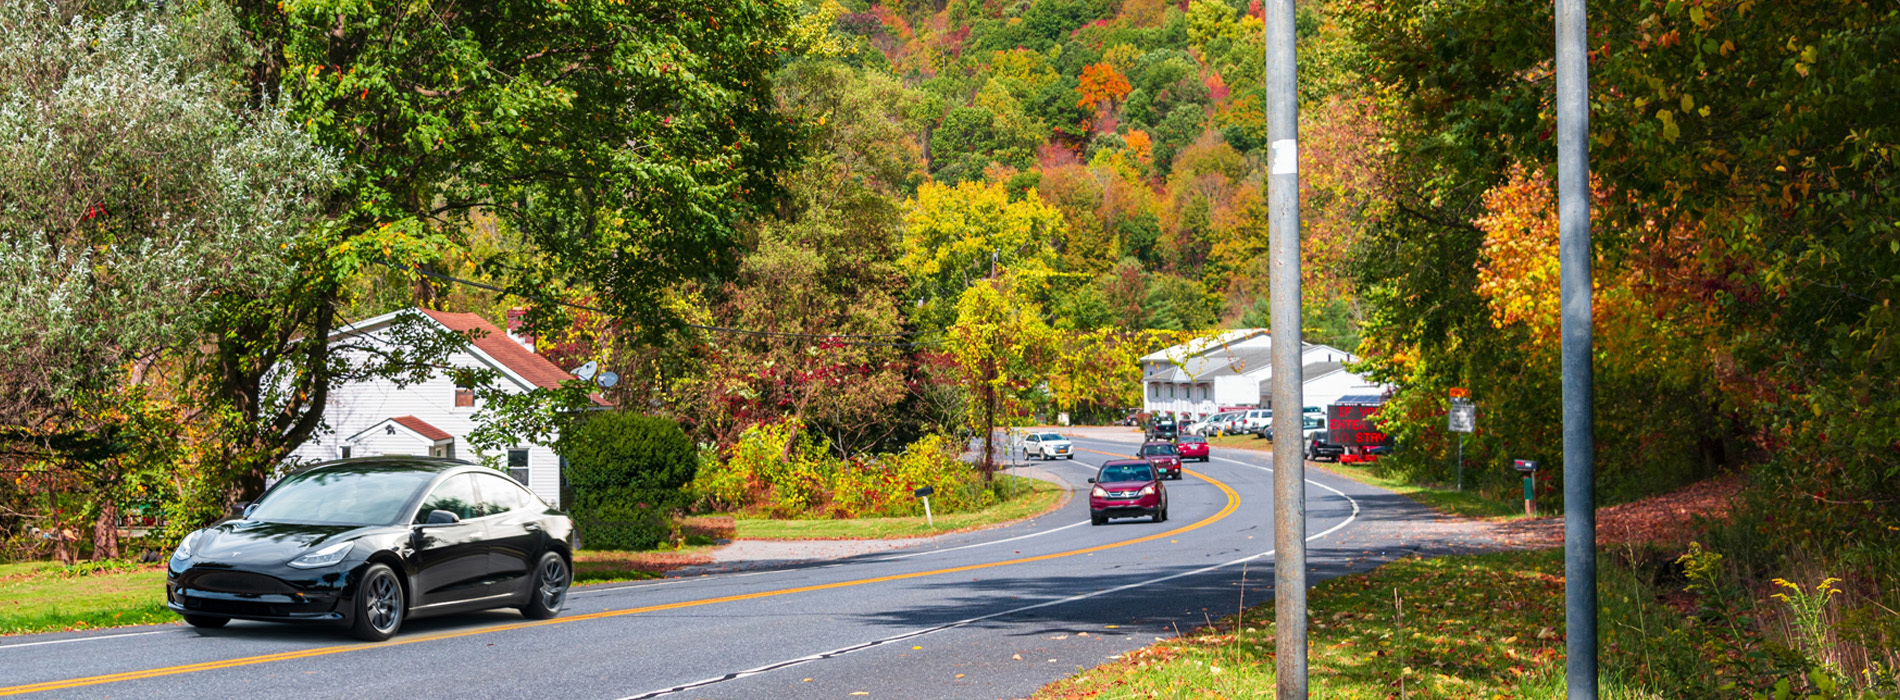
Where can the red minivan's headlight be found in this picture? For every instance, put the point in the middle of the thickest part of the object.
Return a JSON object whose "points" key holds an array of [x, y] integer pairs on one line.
{"points": [[1148, 490], [1098, 492]]}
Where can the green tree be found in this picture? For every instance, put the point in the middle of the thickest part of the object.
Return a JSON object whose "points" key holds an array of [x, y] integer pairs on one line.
{"points": [[142, 190], [958, 235], [621, 141], [1005, 351]]}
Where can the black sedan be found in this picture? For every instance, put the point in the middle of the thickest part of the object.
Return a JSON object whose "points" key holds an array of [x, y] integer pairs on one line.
{"points": [[367, 543]]}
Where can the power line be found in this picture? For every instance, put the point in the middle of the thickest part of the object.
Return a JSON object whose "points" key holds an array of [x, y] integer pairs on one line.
{"points": [[860, 339]]}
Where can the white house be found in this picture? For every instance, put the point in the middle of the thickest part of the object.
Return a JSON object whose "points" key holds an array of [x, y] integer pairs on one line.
{"points": [[1235, 369], [434, 417]]}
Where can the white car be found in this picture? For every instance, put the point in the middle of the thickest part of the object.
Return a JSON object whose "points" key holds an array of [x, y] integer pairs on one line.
{"points": [[1253, 420], [1048, 446], [1222, 424]]}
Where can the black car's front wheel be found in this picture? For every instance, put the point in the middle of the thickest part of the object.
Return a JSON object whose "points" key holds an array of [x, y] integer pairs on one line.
{"points": [[207, 622], [550, 588], [379, 605]]}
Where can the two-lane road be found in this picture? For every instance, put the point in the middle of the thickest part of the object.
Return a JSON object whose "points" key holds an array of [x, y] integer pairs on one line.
{"points": [[989, 614]]}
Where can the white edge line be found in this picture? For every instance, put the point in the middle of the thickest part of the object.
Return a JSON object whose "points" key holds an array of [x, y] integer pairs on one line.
{"points": [[969, 621], [4, 647]]}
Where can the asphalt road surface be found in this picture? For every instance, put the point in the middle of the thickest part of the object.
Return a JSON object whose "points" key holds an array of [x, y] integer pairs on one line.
{"points": [[990, 614]]}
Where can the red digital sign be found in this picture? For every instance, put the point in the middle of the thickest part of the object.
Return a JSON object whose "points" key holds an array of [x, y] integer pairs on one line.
{"points": [[1351, 424]]}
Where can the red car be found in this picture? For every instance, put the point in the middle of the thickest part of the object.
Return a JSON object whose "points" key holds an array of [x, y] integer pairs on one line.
{"points": [[1165, 458], [1127, 488], [1192, 447]]}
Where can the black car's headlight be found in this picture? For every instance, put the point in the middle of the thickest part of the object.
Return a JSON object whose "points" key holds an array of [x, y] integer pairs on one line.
{"points": [[183, 553], [328, 556]]}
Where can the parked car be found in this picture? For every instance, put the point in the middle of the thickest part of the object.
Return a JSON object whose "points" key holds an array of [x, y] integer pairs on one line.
{"points": [[1192, 447], [1253, 420], [1164, 456], [1126, 488], [1317, 448], [1048, 446], [1162, 429], [1225, 423], [1310, 422], [368, 543]]}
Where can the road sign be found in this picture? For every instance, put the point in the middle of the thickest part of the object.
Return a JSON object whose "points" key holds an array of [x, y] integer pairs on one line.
{"points": [[1463, 416]]}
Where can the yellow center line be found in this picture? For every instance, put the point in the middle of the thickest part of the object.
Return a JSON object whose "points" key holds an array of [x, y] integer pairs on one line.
{"points": [[1233, 503]]}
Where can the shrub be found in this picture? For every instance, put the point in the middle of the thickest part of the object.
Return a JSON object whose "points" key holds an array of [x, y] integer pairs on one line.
{"points": [[626, 471], [767, 474]]}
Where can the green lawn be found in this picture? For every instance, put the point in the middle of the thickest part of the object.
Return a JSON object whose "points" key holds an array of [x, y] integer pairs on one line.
{"points": [[1035, 497], [1484, 626], [1440, 497], [46, 597]]}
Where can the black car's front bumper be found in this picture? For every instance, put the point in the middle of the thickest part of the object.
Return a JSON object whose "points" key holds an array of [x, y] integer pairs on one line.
{"points": [[249, 595]]}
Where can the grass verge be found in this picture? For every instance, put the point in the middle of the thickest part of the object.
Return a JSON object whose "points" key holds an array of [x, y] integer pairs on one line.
{"points": [[1034, 497], [608, 567], [1484, 626], [47, 597], [1470, 503]]}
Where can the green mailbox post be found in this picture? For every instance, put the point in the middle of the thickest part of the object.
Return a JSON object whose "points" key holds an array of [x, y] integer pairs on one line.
{"points": [[1529, 469]]}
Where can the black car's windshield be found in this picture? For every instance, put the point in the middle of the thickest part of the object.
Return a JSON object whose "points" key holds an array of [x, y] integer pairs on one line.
{"points": [[359, 496], [1126, 472], [1158, 451]]}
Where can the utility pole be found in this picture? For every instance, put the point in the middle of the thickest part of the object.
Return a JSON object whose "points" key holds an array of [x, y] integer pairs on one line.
{"points": [[1573, 258], [1289, 466]]}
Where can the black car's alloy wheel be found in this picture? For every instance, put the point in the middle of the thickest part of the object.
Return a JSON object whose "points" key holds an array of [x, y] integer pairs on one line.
{"points": [[379, 605], [550, 588]]}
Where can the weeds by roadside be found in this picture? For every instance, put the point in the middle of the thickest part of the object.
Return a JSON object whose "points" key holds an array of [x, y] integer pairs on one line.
{"points": [[1491, 626]]}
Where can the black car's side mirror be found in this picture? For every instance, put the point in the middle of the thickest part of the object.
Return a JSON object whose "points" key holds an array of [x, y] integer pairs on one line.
{"points": [[1091, 480], [442, 517]]}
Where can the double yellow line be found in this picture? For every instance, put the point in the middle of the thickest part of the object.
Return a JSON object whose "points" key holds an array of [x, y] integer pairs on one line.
{"points": [[1233, 503]]}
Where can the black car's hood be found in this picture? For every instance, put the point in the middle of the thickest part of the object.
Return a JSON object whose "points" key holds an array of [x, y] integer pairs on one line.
{"points": [[240, 542]]}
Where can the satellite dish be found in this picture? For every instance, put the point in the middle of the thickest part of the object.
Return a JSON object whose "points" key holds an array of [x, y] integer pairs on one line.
{"points": [[585, 371], [607, 379]]}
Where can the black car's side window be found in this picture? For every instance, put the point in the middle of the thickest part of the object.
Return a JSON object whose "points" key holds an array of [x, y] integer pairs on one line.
{"points": [[500, 495], [456, 495]]}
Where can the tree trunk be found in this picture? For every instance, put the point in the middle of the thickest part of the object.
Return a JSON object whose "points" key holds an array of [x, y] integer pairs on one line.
{"points": [[105, 531], [989, 431]]}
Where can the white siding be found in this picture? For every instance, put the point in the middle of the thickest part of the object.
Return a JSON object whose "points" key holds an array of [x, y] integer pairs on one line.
{"points": [[353, 408], [1325, 390]]}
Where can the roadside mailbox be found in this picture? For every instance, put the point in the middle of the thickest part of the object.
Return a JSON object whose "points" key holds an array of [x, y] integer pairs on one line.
{"points": [[1529, 469], [924, 493]]}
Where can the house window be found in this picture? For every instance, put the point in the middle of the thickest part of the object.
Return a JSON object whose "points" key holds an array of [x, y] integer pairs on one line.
{"points": [[464, 396], [345, 451], [1170, 391], [445, 450], [518, 465]]}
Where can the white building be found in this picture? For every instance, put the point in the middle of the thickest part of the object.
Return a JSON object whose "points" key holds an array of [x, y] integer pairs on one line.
{"points": [[1235, 369], [434, 418]]}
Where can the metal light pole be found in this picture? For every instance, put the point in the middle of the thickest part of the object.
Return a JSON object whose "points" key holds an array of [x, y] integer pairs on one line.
{"points": [[1573, 257], [1289, 466]]}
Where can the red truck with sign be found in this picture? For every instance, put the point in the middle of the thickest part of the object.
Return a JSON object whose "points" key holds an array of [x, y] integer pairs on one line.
{"points": [[1351, 435]]}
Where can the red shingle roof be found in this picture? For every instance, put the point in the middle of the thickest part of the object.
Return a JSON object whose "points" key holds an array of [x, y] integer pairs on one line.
{"points": [[496, 344], [422, 428]]}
